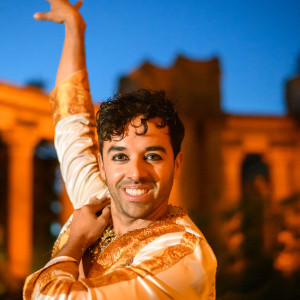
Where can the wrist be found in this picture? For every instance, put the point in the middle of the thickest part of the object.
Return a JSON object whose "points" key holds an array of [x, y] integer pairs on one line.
{"points": [[75, 22], [74, 248]]}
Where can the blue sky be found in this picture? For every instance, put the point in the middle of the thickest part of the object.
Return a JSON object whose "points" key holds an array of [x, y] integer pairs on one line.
{"points": [[257, 42]]}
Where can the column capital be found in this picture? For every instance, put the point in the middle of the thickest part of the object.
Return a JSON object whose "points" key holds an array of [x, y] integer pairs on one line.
{"points": [[23, 138], [234, 152]]}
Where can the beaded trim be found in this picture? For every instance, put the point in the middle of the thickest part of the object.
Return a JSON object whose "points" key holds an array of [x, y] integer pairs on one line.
{"points": [[108, 235]]}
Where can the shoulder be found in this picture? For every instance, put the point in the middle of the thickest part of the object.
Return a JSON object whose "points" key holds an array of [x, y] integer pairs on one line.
{"points": [[174, 239]]}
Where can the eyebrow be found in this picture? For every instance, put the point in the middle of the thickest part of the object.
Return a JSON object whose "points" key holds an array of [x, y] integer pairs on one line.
{"points": [[115, 148], [151, 148], [156, 148]]}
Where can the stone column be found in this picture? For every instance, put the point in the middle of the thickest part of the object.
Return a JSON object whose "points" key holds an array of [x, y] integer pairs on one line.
{"points": [[279, 160], [296, 168], [21, 143], [232, 164]]}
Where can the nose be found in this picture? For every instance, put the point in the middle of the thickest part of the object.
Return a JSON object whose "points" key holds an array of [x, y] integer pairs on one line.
{"points": [[137, 169]]}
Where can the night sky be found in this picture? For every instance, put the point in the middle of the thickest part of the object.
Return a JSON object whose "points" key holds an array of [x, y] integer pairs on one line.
{"points": [[257, 42]]}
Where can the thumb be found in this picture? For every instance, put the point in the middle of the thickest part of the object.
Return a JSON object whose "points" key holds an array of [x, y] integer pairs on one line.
{"points": [[78, 4], [98, 204], [40, 16]]}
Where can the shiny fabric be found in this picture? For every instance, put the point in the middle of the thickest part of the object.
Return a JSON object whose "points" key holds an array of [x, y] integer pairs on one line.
{"points": [[168, 260], [75, 141], [72, 96], [76, 150], [162, 261]]}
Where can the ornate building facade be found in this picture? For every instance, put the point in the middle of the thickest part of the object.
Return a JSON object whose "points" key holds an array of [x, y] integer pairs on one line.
{"points": [[240, 178]]}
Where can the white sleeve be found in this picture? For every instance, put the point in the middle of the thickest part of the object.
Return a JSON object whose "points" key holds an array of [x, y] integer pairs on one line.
{"points": [[79, 168]]}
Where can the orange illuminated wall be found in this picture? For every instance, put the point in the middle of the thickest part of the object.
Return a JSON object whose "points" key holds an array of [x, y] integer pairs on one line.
{"points": [[215, 148]]}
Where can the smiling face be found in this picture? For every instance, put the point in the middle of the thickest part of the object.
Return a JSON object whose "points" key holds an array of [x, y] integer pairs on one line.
{"points": [[139, 170]]}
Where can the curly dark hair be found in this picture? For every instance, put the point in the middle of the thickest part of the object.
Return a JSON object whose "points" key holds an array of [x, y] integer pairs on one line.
{"points": [[115, 113]]}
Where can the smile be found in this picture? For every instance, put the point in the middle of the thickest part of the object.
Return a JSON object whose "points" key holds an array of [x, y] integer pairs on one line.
{"points": [[136, 192]]}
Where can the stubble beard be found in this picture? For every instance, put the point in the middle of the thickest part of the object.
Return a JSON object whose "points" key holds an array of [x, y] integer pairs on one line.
{"points": [[130, 210]]}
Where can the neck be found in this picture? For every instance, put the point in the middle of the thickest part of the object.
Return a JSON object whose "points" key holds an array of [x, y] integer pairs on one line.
{"points": [[123, 224]]}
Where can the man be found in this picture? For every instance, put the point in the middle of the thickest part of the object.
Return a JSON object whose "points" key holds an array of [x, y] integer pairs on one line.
{"points": [[148, 250]]}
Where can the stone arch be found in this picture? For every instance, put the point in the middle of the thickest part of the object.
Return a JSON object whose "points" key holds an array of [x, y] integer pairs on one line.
{"points": [[254, 204], [45, 202], [253, 165]]}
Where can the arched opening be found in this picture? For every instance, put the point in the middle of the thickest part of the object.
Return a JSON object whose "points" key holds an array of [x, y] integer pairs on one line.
{"points": [[254, 206], [254, 166], [255, 182], [46, 203]]}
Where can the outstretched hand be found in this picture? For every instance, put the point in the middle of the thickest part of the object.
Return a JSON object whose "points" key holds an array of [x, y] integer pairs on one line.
{"points": [[73, 54], [60, 12]]}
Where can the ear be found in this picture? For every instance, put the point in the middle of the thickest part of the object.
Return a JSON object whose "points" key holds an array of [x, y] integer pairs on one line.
{"points": [[101, 167], [178, 164]]}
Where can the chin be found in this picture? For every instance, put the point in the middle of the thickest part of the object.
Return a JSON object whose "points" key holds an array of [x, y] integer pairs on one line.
{"points": [[138, 212]]}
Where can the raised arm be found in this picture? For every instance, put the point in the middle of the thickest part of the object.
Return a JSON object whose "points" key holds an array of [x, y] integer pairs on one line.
{"points": [[73, 110], [73, 54]]}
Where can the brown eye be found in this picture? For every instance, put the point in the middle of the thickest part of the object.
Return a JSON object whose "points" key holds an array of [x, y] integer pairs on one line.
{"points": [[120, 157], [153, 157]]}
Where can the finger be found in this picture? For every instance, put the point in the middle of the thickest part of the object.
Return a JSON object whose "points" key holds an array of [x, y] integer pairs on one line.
{"points": [[97, 205], [40, 16], [94, 200], [106, 211], [104, 218], [78, 4]]}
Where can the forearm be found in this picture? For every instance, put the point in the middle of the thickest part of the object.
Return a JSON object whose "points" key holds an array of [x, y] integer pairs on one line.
{"points": [[86, 227], [74, 250], [73, 54]]}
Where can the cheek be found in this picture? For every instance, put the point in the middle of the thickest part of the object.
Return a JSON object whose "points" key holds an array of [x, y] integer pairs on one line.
{"points": [[163, 172], [114, 174]]}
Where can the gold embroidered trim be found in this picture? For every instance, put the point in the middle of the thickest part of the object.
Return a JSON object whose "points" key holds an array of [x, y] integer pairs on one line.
{"points": [[64, 285], [122, 250], [72, 96], [68, 284], [60, 241], [164, 260], [43, 277], [109, 235], [171, 255], [106, 238], [115, 263]]}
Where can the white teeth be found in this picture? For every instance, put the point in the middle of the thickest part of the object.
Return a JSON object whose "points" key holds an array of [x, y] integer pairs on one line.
{"points": [[136, 192]]}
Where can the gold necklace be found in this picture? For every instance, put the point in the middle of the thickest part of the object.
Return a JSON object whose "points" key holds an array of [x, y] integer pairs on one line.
{"points": [[108, 235]]}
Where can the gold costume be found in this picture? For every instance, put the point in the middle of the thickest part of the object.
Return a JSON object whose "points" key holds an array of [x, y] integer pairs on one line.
{"points": [[169, 259]]}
